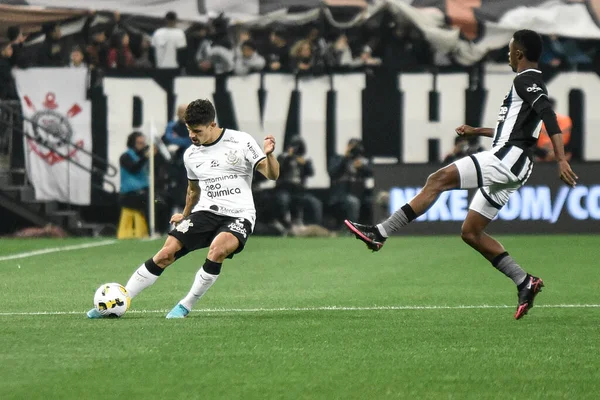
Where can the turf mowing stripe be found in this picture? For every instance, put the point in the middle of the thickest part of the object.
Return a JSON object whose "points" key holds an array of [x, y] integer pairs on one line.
{"points": [[324, 308], [55, 249]]}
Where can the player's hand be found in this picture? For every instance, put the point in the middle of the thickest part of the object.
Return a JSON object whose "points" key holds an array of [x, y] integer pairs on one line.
{"points": [[176, 218], [269, 145], [465, 130], [566, 173]]}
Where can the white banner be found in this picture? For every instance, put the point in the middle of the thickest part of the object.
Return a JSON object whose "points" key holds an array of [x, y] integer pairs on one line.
{"points": [[55, 98]]}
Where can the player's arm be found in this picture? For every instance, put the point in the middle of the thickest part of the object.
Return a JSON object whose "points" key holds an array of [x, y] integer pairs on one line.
{"points": [[466, 130], [269, 166], [544, 109], [192, 196]]}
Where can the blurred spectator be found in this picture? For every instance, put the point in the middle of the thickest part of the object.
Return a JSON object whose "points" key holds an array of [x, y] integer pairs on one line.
{"points": [[169, 44], [16, 38], [176, 134], [304, 62], [562, 53], [277, 53], [407, 49], [317, 42], [77, 58], [119, 54], [295, 205], [463, 147], [248, 60], [351, 182], [544, 151], [52, 53], [135, 179], [177, 139], [340, 55], [216, 55], [97, 49], [134, 173], [8, 87], [142, 54]]}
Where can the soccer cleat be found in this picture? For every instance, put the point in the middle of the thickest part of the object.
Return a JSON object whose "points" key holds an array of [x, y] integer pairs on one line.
{"points": [[527, 295], [94, 314], [369, 234], [178, 311]]}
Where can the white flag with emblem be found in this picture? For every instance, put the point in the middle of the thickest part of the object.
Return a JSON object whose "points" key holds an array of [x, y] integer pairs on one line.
{"points": [[57, 127]]}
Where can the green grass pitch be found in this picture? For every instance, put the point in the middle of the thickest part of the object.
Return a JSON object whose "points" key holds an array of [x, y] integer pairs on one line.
{"points": [[263, 331]]}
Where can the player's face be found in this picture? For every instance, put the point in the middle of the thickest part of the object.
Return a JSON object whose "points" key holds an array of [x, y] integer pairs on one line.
{"points": [[512, 55], [201, 134]]}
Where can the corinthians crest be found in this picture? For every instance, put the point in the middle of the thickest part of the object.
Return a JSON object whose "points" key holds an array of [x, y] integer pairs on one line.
{"points": [[232, 157], [51, 132]]}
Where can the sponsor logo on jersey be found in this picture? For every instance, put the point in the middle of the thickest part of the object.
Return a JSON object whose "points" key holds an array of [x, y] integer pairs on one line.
{"points": [[232, 157], [238, 226], [184, 226], [230, 140], [221, 178], [534, 88], [214, 163], [214, 190], [252, 150], [226, 210]]}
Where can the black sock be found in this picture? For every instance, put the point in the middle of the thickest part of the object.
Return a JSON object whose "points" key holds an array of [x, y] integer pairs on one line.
{"points": [[153, 268], [409, 212], [211, 267]]}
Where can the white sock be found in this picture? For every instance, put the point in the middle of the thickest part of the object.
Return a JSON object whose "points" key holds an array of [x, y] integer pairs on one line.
{"points": [[201, 284], [140, 280]]}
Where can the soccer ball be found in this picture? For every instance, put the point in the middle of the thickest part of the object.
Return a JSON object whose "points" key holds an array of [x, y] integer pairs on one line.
{"points": [[112, 300]]}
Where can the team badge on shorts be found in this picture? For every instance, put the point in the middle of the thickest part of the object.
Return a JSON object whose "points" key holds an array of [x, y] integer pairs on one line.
{"points": [[184, 226]]}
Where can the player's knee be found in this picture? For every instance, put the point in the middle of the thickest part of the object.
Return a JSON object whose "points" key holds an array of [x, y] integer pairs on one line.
{"points": [[217, 252], [164, 257], [470, 236]]}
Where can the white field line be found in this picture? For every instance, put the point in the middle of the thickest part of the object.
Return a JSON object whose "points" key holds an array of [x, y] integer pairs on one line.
{"points": [[56, 249], [323, 308]]}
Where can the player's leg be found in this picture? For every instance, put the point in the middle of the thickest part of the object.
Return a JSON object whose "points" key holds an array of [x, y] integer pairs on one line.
{"points": [[446, 178], [223, 245], [150, 271], [483, 209]]}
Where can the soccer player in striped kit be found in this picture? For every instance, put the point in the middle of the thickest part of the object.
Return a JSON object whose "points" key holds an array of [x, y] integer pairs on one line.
{"points": [[497, 173]]}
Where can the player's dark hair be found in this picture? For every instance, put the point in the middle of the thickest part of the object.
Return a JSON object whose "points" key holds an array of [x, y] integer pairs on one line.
{"points": [[530, 42], [199, 112], [132, 138]]}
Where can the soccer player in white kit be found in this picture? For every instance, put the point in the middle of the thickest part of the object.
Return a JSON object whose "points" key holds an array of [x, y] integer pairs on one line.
{"points": [[219, 209]]}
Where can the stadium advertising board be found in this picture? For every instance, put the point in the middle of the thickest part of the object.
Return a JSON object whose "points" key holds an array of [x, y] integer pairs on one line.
{"points": [[543, 205]]}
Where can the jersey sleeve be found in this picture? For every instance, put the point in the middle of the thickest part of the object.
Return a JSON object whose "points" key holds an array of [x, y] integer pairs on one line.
{"points": [[254, 153], [531, 88], [191, 175]]}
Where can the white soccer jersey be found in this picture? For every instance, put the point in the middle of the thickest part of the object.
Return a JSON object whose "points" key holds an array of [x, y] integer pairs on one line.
{"points": [[224, 170]]}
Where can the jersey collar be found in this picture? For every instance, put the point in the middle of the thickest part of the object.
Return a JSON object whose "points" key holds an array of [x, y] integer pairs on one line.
{"points": [[530, 69], [216, 141]]}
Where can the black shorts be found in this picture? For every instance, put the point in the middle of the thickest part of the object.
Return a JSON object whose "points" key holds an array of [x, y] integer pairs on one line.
{"points": [[198, 230]]}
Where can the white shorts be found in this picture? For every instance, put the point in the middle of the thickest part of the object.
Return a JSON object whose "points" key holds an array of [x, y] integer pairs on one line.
{"points": [[496, 178]]}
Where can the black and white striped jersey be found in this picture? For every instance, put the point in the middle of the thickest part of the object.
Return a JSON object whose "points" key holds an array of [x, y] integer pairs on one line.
{"points": [[518, 121]]}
